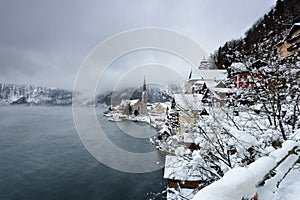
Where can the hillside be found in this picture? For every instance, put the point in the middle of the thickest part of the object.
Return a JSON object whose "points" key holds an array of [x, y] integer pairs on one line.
{"points": [[12, 94], [154, 94], [261, 40]]}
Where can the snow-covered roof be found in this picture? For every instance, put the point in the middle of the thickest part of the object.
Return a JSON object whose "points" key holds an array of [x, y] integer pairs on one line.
{"points": [[222, 90], [177, 168], [220, 84], [185, 193], [199, 83], [124, 102], [212, 85], [208, 74], [133, 102], [165, 129], [238, 66], [188, 101], [130, 102], [188, 138], [291, 31], [164, 105]]}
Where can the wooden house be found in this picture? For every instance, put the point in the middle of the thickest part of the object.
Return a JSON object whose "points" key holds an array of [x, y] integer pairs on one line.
{"points": [[291, 43], [241, 76], [179, 174]]}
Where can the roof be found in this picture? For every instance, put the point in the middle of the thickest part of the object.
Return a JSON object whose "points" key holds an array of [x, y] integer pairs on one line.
{"points": [[133, 102], [222, 90], [185, 193], [188, 137], [210, 84], [238, 66], [161, 104], [290, 33], [292, 30], [165, 130], [177, 168], [211, 74], [220, 84], [130, 102], [199, 83], [188, 101]]}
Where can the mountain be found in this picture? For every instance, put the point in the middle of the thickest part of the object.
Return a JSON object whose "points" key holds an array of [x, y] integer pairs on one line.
{"points": [[261, 40], [12, 94], [155, 93]]}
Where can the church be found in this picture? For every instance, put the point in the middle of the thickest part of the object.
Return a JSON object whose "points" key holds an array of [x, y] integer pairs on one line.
{"points": [[135, 106]]}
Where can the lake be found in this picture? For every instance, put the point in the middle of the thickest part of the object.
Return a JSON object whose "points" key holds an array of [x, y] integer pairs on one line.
{"points": [[42, 157]]}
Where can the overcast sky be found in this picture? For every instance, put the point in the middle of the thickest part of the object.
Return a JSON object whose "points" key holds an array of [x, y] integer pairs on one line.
{"points": [[44, 42]]}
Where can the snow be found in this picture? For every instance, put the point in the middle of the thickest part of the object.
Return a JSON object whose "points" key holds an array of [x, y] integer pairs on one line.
{"points": [[296, 135], [243, 137], [241, 182], [297, 24], [279, 154], [238, 66], [188, 138], [133, 102], [222, 90], [180, 151], [177, 168], [199, 83], [184, 193], [236, 184], [209, 75], [33, 95], [165, 129], [289, 187], [267, 192], [261, 167], [295, 71], [188, 101], [257, 106]]}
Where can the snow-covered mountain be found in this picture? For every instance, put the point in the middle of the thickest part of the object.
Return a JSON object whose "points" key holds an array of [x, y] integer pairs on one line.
{"points": [[261, 40], [12, 94], [155, 93]]}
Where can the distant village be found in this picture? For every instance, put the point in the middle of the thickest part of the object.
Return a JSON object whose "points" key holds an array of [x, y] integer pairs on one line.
{"points": [[206, 88]]}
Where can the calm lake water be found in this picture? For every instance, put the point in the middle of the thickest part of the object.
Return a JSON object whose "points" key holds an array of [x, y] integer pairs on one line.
{"points": [[42, 157]]}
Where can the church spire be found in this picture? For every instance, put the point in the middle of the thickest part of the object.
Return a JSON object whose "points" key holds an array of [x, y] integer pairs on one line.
{"points": [[144, 86], [144, 99]]}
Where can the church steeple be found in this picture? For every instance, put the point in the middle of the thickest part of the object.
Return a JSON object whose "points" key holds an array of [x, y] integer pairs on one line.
{"points": [[144, 86], [204, 64], [144, 98]]}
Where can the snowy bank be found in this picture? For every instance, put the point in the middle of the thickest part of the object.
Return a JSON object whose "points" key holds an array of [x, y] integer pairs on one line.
{"points": [[242, 182]]}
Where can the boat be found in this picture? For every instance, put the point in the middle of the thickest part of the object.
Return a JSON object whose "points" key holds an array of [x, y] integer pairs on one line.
{"points": [[115, 118], [123, 116]]}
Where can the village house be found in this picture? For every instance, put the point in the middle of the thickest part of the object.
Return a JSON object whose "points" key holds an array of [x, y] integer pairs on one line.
{"points": [[180, 176], [129, 107], [158, 114], [241, 76], [135, 106], [291, 43], [209, 83], [159, 108], [199, 77]]}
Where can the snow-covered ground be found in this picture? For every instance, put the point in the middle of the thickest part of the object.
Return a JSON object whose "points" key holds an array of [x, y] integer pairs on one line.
{"points": [[289, 189]]}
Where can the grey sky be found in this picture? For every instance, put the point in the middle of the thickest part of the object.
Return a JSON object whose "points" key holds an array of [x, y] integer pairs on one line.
{"points": [[44, 42]]}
